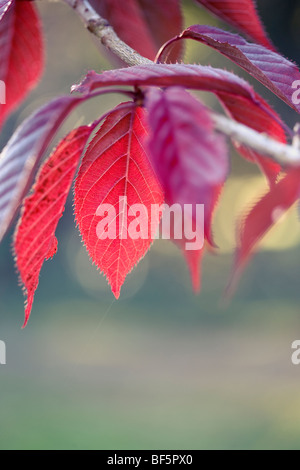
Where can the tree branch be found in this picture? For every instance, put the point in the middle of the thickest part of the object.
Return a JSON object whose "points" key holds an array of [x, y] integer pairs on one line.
{"points": [[103, 31], [259, 142]]}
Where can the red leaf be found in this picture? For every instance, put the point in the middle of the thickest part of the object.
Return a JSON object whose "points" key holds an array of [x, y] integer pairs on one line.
{"points": [[190, 159], [35, 239], [23, 152], [271, 69], [242, 15], [116, 166], [22, 58], [261, 219], [260, 118], [143, 24]]}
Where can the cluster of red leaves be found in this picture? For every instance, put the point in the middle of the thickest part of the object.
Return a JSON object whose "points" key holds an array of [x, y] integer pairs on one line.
{"points": [[159, 146]]}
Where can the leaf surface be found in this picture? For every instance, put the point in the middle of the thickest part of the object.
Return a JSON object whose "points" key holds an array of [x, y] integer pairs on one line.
{"points": [[116, 171]]}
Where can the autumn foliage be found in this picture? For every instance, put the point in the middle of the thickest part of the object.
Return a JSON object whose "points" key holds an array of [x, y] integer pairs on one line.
{"points": [[159, 145]]}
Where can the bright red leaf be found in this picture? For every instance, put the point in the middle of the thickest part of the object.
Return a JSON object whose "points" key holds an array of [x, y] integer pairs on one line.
{"points": [[271, 69], [262, 217], [116, 167], [190, 159], [242, 15], [22, 60], [35, 239]]}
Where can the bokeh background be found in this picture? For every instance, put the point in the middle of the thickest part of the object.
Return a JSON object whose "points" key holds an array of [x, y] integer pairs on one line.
{"points": [[160, 368]]}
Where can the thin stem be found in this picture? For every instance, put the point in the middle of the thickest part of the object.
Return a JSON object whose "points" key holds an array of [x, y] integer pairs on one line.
{"points": [[259, 142]]}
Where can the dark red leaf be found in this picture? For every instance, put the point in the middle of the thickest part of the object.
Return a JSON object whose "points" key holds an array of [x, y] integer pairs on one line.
{"points": [[262, 217], [127, 20], [35, 239], [116, 166], [143, 24], [271, 69], [22, 154], [242, 15], [22, 58], [190, 159], [165, 21]]}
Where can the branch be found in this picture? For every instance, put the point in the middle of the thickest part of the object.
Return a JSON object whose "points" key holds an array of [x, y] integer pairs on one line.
{"points": [[103, 31], [259, 142]]}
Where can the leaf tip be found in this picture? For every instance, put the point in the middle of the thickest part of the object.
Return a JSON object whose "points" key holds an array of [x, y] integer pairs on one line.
{"points": [[28, 310], [193, 260]]}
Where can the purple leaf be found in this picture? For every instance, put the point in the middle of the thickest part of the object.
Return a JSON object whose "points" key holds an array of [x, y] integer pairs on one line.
{"points": [[271, 69], [189, 157], [198, 77], [23, 152]]}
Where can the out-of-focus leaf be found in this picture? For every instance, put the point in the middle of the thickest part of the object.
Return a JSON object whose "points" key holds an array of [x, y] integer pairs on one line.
{"points": [[21, 46]]}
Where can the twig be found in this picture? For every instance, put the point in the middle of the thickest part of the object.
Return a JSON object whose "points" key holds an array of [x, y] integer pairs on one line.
{"points": [[103, 31], [259, 142]]}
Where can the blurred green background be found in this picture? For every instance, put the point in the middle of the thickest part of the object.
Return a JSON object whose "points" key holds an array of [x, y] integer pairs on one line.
{"points": [[160, 368]]}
